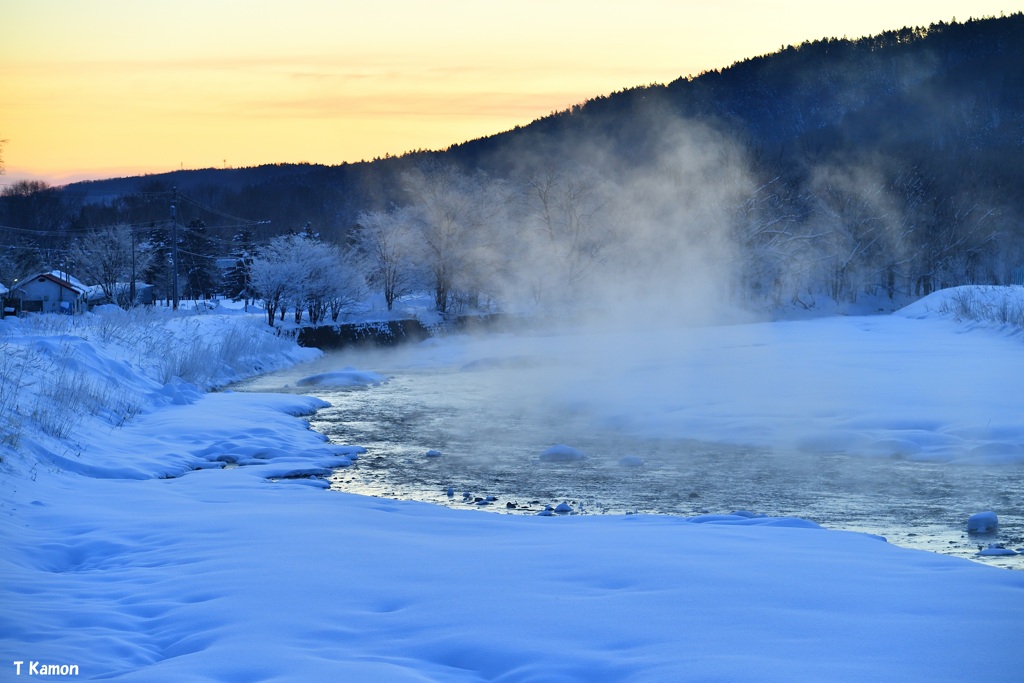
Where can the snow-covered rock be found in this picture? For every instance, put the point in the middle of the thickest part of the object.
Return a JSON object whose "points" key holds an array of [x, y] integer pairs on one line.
{"points": [[996, 550], [349, 377], [748, 514], [562, 453], [982, 522]]}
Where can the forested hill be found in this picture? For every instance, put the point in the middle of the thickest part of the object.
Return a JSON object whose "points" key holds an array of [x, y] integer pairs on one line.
{"points": [[953, 90], [895, 158], [949, 96]]}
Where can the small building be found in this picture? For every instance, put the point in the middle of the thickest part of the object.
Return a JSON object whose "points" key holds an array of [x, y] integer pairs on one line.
{"points": [[53, 292], [145, 295]]}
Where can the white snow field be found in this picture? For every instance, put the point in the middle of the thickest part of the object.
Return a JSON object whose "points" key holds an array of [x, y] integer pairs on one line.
{"points": [[131, 551]]}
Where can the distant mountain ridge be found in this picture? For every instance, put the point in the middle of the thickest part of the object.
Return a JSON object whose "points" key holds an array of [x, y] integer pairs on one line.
{"points": [[965, 81], [954, 89]]}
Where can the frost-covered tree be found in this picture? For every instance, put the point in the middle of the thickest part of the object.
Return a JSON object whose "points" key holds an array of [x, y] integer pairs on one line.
{"points": [[345, 282], [307, 275], [457, 216], [315, 287], [567, 230], [851, 214], [112, 258], [273, 272], [953, 246], [349, 286], [774, 249], [389, 243]]}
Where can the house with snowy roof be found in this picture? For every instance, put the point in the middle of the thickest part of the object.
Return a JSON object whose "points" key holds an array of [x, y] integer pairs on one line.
{"points": [[53, 292]]}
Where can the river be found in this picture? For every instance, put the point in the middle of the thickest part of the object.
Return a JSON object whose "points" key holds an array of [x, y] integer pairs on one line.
{"points": [[490, 428]]}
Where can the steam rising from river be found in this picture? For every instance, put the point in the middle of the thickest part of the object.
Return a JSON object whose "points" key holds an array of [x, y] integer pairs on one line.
{"points": [[619, 259], [620, 242]]}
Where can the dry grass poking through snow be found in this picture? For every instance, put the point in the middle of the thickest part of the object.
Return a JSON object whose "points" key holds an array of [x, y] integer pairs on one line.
{"points": [[49, 382], [999, 305]]}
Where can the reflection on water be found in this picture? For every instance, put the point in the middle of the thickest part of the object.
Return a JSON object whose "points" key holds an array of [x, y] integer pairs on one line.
{"points": [[490, 440]]}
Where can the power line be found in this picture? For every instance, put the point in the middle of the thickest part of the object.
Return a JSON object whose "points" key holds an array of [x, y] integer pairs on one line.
{"points": [[216, 212], [174, 248]]}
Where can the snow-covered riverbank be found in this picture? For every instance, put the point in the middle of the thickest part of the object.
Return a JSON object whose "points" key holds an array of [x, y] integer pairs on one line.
{"points": [[131, 554]]}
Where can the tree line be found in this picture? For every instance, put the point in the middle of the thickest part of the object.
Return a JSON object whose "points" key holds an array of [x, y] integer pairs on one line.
{"points": [[842, 168]]}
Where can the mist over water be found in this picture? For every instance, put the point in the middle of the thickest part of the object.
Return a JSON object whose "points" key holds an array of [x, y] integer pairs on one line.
{"points": [[492, 405]]}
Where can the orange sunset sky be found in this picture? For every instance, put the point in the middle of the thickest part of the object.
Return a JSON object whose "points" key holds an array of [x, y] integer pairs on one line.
{"points": [[101, 88]]}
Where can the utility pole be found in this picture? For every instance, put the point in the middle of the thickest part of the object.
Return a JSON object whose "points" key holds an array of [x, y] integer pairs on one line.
{"points": [[174, 248], [131, 286]]}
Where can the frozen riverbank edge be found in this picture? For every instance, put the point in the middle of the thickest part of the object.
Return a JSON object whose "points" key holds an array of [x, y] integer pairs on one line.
{"points": [[132, 554]]}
